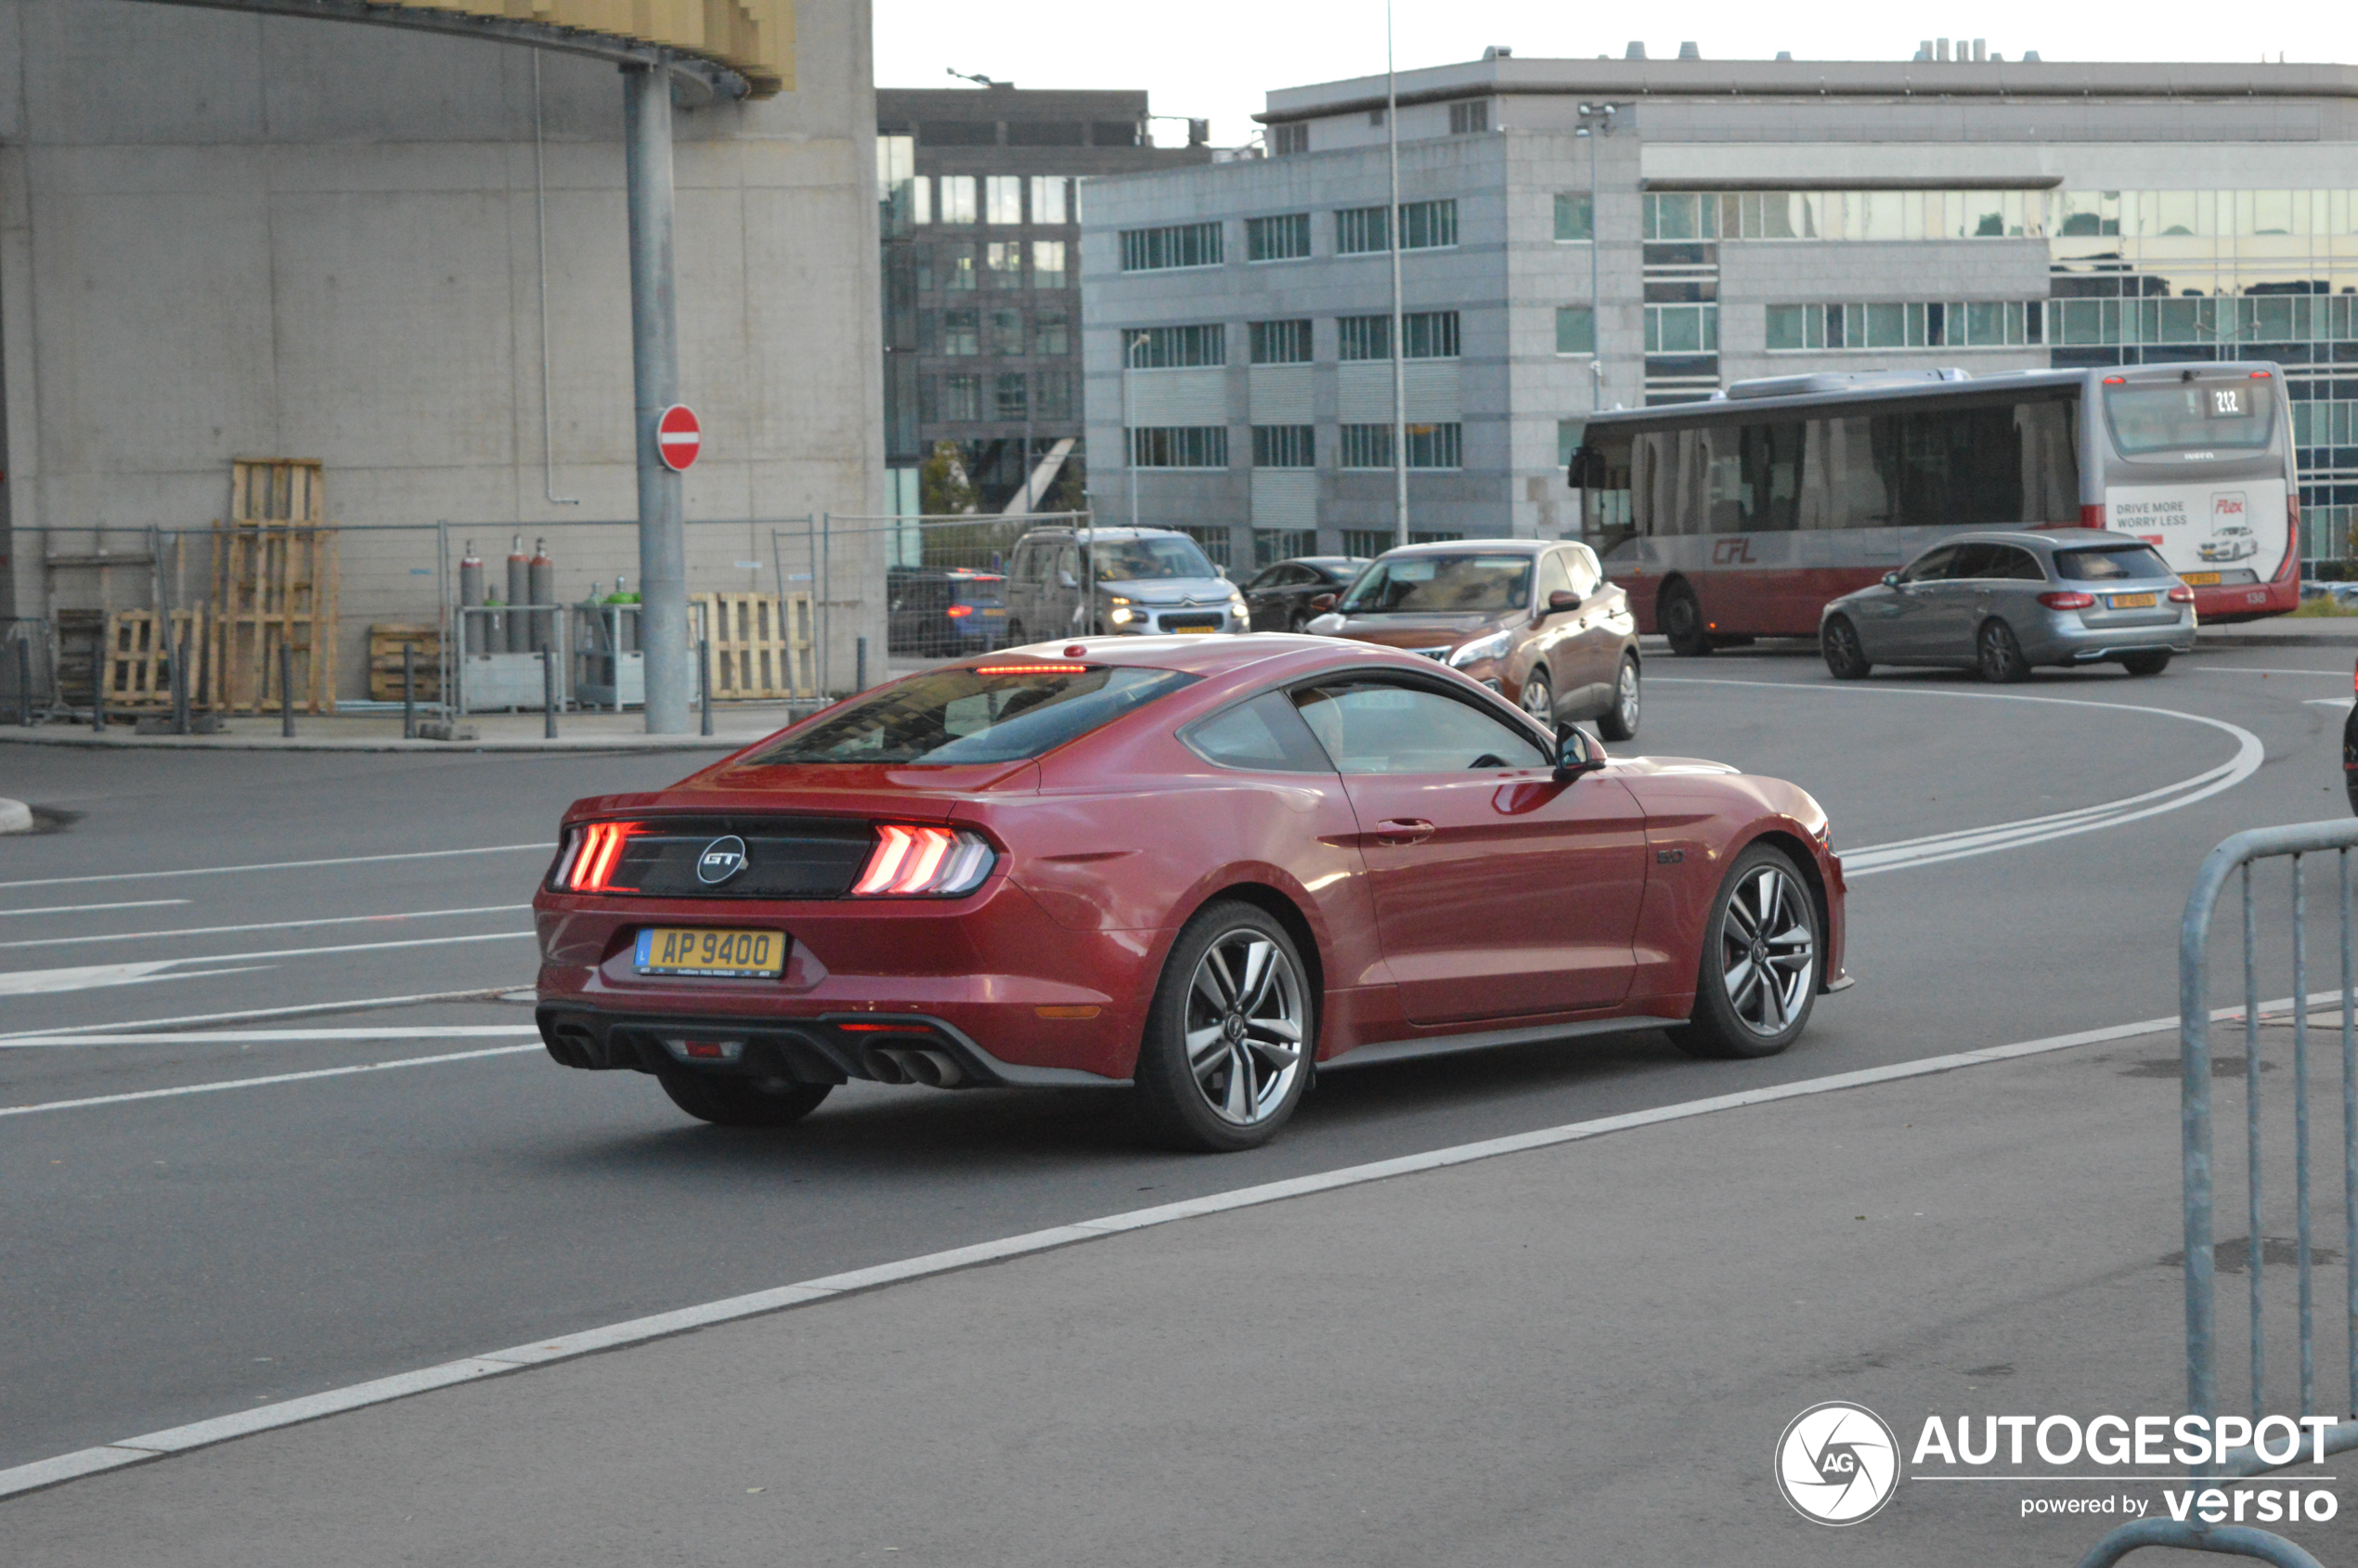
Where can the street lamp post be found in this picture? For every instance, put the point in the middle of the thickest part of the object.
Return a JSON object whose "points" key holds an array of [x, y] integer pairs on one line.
{"points": [[1595, 120], [1399, 348], [1129, 429]]}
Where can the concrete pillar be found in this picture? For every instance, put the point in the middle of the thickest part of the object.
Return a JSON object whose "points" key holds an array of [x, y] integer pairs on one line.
{"points": [[655, 356]]}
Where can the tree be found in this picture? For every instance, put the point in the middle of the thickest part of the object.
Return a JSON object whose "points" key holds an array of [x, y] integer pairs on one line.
{"points": [[944, 487]]}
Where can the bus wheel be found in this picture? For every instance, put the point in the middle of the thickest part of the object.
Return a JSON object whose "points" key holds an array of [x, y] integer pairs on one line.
{"points": [[1844, 657], [2001, 656], [1681, 621]]}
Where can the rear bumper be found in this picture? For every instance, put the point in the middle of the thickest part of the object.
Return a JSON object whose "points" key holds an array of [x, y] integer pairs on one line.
{"points": [[831, 1048], [2065, 641]]}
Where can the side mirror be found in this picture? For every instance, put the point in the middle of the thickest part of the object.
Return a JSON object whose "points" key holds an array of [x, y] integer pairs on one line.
{"points": [[1891, 579], [1222, 571], [1067, 579], [1323, 603], [1576, 754], [1561, 600]]}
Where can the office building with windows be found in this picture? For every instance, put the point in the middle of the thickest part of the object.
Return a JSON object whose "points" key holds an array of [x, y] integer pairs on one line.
{"points": [[1610, 233], [981, 303]]}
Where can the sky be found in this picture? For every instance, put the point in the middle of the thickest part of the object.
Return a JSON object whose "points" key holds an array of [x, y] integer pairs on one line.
{"points": [[1216, 59]]}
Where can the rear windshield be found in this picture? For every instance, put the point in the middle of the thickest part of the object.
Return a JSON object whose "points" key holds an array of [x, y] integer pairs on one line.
{"points": [[1001, 712], [2189, 416], [2111, 563], [1440, 585]]}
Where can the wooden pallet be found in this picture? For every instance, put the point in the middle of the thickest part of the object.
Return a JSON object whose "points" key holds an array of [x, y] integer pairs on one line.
{"points": [[385, 642], [140, 646], [761, 644], [275, 586]]}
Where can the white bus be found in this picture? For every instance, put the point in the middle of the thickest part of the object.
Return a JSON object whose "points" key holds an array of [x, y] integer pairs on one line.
{"points": [[1741, 516]]}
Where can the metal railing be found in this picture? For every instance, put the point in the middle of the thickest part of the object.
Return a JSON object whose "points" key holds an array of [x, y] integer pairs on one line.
{"points": [[2237, 855]]}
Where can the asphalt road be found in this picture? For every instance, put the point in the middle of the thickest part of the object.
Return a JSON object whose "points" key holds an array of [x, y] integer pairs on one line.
{"points": [[170, 1258]]}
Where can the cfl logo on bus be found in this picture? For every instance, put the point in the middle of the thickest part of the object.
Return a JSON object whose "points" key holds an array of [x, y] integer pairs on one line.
{"points": [[1732, 553]]}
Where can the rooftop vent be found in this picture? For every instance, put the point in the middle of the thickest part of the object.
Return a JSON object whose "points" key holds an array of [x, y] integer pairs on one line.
{"points": [[1498, 52], [1784, 54], [1636, 50], [1688, 52], [2031, 57]]}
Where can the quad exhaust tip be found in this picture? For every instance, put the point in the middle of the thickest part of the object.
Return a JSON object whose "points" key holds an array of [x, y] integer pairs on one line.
{"points": [[906, 1064]]}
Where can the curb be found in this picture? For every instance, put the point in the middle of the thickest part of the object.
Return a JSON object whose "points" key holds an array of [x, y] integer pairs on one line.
{"points": [[14, 817], [87, 741]]}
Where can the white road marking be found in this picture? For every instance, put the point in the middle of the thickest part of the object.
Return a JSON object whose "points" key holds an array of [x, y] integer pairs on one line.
{"points": [[2256, 669], [273, 1036], [281, 865], [362, 1005], [565, 1347], [2329, 702], [85, 909], [228, 1083], [91, 977], [267, 926], [1870, 860]]}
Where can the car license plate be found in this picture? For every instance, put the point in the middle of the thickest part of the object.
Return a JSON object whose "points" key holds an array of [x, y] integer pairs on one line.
{"points": [[673, 949], [1194, 630], [994, 611], [2199, 579], [2134, 600]]}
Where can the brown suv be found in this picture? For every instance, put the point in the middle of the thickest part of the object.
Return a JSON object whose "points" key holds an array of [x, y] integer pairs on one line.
{"points": [[1533, 619]]}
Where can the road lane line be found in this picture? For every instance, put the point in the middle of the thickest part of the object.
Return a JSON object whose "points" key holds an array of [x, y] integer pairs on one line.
{"points": [[2256, 669], [221, 1085], [149, 1446], [248, 1015], [265, 926], [1906, 854], [279, 865], [93, 976], [85, 909], [272, 1036]]}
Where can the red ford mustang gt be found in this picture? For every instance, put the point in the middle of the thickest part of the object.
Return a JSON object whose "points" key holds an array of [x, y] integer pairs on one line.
{"points": [[1201, 868]]}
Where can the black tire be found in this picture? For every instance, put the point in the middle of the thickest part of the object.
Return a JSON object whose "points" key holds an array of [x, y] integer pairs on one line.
{"points": [[1619, 722], [2152, 662], [1245, 1060], [1538, 698], [1844, 657], [1735, 940], [1680, 616], [1999, 656], [741, 1102]]}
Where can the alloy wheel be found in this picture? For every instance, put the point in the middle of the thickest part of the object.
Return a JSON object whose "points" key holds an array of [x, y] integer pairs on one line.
{"points": [[1768, 956], [1245, 1022], [1540, 698], [1625, 697]]}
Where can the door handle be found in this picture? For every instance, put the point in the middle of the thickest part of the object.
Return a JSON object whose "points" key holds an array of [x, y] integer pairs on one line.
{"points": [[1403, 830]]}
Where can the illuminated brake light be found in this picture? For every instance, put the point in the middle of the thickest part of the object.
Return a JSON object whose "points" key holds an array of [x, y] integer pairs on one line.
{"points": [[959, 611], [2259, 375], [2116, 381], [1032, 670], [2068, 600], [593, 861], [911, 861]]}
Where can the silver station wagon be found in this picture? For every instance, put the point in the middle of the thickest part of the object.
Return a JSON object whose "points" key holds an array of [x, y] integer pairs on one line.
{"points": [[2004, 602]]}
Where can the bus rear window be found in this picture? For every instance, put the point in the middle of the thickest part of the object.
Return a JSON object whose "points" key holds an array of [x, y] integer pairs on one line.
{"points": [[2191, 416], [2110, 564]]}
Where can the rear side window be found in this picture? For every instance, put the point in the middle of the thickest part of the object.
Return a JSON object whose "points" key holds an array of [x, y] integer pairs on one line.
{"points": [[999, 712], [1265, 735], [2109, 564], [1370, 728]]}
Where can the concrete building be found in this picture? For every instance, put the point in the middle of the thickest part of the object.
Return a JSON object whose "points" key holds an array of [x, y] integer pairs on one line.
{"points": [[1725, 220], [981, 286], [226, 234]]}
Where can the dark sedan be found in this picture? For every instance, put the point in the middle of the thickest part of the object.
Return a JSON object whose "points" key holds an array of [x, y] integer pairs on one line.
{"points": [[1278, 596]]}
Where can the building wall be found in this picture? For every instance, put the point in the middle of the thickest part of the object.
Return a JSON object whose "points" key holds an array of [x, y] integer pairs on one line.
{"points": [[225, 235]]}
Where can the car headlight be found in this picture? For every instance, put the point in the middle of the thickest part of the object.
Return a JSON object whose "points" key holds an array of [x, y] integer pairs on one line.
{"points": [[1121, 617], [1490, 647], [1237, 604]]}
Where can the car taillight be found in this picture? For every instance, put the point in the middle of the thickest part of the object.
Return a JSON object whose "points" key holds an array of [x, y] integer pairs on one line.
{"points": [[959, 611], [590, 856], [2182, 594], [911, 861], [2067, 599]]}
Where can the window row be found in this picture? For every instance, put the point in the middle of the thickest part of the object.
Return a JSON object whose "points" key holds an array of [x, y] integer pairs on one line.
{"points": [[964, 332], [1295, 445], [1427, 334], [1424, 226], [1915, 324], [1682, 328], [2325, 424], [1467, 117], [954, 267], [1989, 214], [993, 198], [2253, 319], [1008, 397]]}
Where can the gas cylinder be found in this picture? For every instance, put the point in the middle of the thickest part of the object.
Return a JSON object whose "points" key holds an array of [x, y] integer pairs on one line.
{"points": [[542, 573], [471, 594], [519, 592]]}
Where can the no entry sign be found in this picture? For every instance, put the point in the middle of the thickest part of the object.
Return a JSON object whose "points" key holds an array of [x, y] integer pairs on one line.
{"points": [[678, 437]]}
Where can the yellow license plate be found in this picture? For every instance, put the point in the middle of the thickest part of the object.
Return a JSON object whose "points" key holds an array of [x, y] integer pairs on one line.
{"points": [[2199, 579], [674, 950], [2134, 600], [1194, 630]]}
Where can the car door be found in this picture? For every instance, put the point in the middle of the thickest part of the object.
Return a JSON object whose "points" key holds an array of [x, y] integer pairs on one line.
{"points": [[1551, 638], [1949, 616], [1498, 891], [1995, 587], [1898, 627], [1596, 644], [1265, 601]]}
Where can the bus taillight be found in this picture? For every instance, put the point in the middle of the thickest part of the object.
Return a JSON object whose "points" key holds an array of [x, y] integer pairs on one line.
{"points": [[2091, 514]]}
